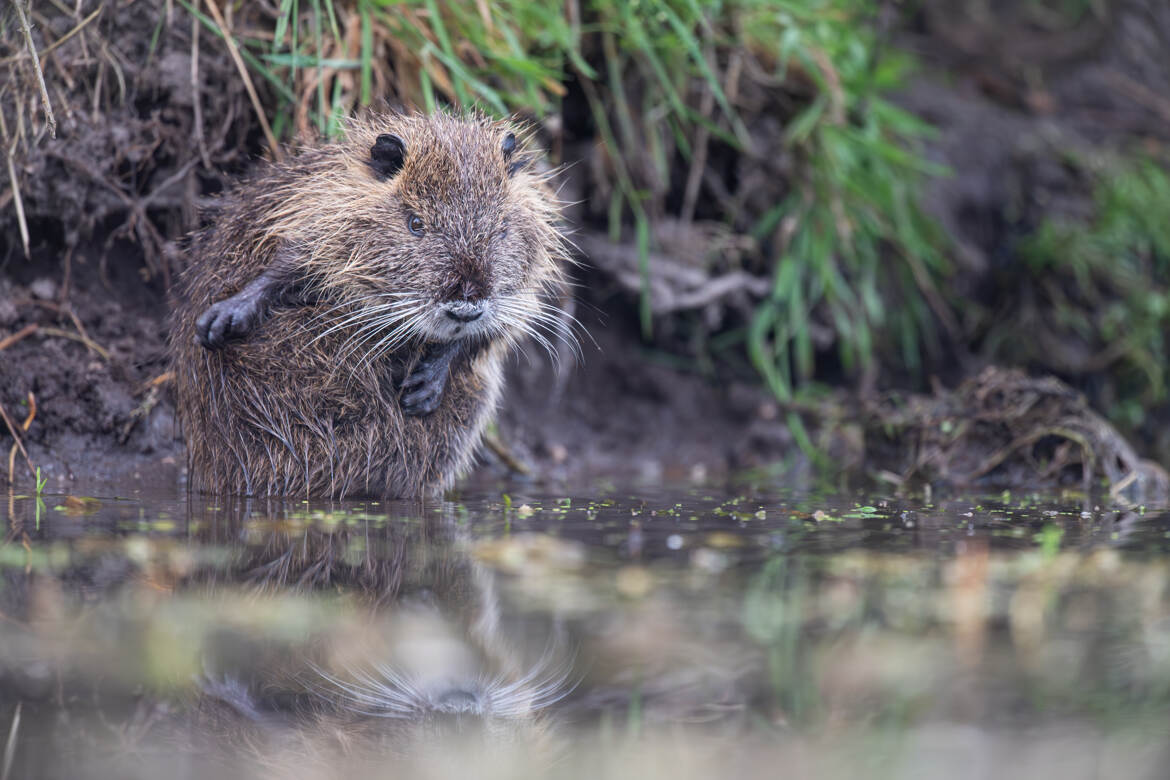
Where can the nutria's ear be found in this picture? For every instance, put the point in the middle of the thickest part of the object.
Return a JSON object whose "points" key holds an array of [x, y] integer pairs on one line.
{"points": [[387, 156], [509, 148]]}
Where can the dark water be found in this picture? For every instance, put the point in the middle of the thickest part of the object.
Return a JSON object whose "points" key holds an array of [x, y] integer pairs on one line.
{"points": [[692, 633]]}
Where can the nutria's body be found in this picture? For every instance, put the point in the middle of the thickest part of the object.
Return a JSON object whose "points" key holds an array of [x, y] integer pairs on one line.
{"points": [[343, 322]]}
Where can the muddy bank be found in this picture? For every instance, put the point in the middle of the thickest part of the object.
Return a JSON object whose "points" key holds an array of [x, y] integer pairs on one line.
{"points": [[82, 374], [104, 410], [89, 376], [670, 390]]}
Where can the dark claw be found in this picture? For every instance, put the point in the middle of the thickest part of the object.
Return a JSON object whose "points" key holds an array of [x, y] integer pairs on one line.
{"points": [[226, 320], [422, 390], [426, 372], [423, 401]]}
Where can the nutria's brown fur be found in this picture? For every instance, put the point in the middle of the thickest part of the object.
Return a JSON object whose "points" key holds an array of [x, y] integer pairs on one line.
{"points": [[344, 273]]}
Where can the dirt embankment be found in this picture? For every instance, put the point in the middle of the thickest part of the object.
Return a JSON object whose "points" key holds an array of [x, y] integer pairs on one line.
{"points": [[94, 369], [151, 125]]}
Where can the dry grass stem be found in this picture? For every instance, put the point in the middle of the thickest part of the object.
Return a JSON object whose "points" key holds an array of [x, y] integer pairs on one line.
{"points": [[196, 98], [234, 51], [22, 12], [20, 218], [81, 337]]}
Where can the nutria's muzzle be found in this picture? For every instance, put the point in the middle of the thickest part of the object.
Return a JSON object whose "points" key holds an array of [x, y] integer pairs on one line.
{"points": [[463, 311]]}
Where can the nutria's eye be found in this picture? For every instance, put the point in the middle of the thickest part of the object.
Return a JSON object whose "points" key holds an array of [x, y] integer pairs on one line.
{"points": [[415, 224]]}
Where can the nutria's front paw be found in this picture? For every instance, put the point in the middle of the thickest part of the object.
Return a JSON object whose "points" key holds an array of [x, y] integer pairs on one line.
{"points": [[422, 390], [231, 319]]}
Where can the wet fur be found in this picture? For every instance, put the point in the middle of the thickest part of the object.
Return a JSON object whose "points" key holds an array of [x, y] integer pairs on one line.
{"points": [[309, 401]]}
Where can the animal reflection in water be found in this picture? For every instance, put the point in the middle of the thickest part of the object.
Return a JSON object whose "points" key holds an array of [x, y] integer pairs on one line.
{"points": [[425, 664]]}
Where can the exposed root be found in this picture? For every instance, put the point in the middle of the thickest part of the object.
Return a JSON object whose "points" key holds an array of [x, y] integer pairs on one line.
{"points": [[19, 445], [81, 337], [501, 451]]}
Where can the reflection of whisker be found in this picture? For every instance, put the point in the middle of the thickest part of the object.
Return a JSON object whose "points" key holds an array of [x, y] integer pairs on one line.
{"points": [[371, 696], [545, 684], [382, 691]]}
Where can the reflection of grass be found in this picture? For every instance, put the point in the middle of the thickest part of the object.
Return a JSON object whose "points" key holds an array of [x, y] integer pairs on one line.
{"points": [[773, 615], [883, 637]]}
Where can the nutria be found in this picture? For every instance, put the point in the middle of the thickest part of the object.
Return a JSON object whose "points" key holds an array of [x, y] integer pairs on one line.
{"points": [[342, 323]]}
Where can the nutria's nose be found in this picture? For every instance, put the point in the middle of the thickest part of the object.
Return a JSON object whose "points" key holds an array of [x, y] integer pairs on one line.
{"points": [[463, 311]]}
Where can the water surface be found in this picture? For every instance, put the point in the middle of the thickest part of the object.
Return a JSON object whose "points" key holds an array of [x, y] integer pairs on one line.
{"points": [[676, 633]]}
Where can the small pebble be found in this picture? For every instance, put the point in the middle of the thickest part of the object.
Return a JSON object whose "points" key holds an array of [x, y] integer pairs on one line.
{"points": [[44, 288]]}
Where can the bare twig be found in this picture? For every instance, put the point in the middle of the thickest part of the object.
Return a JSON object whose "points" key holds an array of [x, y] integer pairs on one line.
{"points": [[24, 332], [140, 412], [81, 25], [22, 11], [247, 79], [158, 381], [19, 201], [81, 337], [673, 287], [89, 343]]}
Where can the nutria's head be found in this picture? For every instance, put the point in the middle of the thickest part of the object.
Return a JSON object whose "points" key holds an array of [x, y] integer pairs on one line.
{"points": [[429, 228]]}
